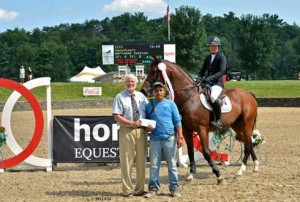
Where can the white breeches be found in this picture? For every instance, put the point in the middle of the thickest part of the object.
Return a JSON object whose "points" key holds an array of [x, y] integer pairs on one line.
{"points": [[215, 92]]}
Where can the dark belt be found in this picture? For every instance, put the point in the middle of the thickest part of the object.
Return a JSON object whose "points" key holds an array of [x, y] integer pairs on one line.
{"points": [[131, 127]]}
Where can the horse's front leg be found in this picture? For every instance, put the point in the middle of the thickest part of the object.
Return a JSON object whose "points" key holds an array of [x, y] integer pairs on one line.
{"points": [[191, 155], [204, 142], [190, 150]]}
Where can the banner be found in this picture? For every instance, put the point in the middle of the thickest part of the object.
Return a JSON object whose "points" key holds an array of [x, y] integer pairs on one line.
{"points": [[85, 139]]}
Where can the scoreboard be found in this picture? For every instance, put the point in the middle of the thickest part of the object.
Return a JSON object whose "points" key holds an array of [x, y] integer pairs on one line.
{"points": [[133, 53]]}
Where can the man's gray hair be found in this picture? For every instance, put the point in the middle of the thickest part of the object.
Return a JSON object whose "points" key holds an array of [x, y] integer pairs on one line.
{"points": [[132, 76]]}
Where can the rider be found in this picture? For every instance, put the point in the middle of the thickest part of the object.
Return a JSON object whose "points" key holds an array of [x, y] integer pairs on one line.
{"points": [[215, 66]]}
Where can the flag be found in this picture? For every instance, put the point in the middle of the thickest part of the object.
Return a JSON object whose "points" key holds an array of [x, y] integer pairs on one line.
{"points": [[168, 15]]}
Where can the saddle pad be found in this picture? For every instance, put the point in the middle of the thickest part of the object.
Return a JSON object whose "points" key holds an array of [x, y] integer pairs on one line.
{"points": [[226, 107]]}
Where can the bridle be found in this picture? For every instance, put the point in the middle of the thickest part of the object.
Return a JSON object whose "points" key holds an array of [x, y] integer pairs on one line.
{"points": [[194, 88], [157, 74]]}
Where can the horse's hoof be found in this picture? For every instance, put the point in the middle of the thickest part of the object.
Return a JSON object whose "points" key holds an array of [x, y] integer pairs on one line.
{"points": [[189, 178], [221, 180], [256, 165], [185, 165], [239, 173]]}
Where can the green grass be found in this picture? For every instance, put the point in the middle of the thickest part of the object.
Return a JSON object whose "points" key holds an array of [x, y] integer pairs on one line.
{"points": [[70, 91], [73, 91], [269, 89]]}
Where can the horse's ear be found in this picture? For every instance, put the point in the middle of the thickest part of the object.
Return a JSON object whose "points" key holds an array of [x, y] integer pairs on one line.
{"points": [[155, 60]]}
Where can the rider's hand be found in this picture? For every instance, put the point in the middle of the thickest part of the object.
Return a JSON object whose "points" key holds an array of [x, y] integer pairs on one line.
{"points": [[209, 78]]}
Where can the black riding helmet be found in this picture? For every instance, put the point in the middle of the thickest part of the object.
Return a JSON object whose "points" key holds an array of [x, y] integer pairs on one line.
{"points": [[214, 41]]}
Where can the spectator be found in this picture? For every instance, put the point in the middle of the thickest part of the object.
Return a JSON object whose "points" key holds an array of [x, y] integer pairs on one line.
{"points": [[128, 108], [29, 74], [22, 74]]}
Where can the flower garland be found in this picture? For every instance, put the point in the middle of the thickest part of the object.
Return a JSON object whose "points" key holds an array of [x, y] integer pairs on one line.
{"points": [[219, 135], [2, 136], [256, 137]]}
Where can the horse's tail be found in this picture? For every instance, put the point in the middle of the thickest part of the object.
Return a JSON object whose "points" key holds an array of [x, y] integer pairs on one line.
{"points": [[254, 124], [253, 95]]}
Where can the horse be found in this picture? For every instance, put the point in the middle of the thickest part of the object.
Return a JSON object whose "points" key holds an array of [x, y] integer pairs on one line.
{"points": [[195, 117]]}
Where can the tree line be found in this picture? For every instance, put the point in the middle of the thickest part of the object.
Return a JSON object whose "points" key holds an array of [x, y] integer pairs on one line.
{"points": [[264, 47]]}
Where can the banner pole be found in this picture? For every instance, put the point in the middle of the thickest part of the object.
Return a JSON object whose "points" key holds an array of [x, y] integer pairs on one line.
{"points": [[168, 21]]}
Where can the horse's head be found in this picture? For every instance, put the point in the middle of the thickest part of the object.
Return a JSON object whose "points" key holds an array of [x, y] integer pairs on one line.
{"points": [[154, 75]]}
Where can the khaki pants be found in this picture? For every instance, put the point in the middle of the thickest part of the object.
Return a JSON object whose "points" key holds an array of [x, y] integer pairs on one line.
{"points": [[133, 146]]}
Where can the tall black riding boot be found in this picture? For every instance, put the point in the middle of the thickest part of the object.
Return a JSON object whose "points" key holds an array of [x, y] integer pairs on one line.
{"points": [[217, 110]]}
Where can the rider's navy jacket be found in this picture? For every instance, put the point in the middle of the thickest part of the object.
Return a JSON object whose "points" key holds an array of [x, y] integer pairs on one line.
{"points": [[216, 69]]}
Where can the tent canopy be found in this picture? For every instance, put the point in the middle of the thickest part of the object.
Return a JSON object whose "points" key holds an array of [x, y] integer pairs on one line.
{"points": [[87, 75]]}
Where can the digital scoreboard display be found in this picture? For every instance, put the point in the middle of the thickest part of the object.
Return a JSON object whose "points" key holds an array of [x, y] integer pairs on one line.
{"points": [[136, 53], [132, 54]]}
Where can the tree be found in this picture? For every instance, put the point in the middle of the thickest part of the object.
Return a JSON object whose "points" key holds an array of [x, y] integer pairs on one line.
{"points": [[188, 33], [265, 47], [5, 69], [256, 45], [53, 61], [288, 64]]}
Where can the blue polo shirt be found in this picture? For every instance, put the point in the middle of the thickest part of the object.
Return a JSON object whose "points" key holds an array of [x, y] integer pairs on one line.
{"points": [[168, 114]]}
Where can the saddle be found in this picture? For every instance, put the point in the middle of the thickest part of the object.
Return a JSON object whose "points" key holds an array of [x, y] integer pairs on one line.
{"points": [[207, 93], [222, 99]]}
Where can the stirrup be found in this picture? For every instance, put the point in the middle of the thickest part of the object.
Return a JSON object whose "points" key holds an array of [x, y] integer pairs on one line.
{"points": [[217, 123]]}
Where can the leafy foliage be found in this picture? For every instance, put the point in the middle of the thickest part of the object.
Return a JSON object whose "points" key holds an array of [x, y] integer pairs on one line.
{"points": [[264, 47]]}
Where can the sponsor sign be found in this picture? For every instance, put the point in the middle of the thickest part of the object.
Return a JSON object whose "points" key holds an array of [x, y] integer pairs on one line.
{"points": [[85, 139], [170, 52], [92, 91]]}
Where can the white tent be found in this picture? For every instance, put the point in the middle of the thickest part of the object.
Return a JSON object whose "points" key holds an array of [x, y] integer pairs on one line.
{"points": [[87, 75]]}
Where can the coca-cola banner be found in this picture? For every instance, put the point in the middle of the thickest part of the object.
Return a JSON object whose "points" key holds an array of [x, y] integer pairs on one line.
{"points": [[85, 139], [92, 91]]}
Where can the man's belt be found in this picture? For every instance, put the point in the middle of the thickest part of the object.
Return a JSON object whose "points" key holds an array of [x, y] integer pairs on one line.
{"points": [[132, 127]]}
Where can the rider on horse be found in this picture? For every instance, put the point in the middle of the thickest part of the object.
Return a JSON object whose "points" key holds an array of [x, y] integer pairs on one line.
{"points": [[215, 65]]}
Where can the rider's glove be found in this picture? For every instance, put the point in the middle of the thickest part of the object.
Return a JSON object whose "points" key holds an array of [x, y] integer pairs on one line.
{"points": [[209, 78], [198, 80]]}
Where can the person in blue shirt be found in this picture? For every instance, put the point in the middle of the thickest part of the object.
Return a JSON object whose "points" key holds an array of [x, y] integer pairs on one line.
{"points": [[164, 139]]}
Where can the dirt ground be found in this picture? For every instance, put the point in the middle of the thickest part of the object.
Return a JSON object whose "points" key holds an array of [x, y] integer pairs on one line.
{"points": [[277, 180]]}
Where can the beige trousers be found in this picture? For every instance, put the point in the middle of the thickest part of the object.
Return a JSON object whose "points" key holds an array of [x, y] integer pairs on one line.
{"points": [[133, 147]]}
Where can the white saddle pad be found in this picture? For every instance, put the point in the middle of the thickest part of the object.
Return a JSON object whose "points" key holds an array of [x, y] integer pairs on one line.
{"points": [[226, 107]]}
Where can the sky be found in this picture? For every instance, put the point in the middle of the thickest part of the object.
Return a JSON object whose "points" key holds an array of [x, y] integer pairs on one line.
{"points": [[30, 14]]}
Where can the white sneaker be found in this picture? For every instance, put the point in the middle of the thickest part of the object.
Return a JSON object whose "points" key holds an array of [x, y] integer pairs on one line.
{"points": [[150, 194], [175, 192]]}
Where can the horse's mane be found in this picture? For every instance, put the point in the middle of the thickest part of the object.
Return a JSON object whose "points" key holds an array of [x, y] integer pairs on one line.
{"points": [[179, 67]]}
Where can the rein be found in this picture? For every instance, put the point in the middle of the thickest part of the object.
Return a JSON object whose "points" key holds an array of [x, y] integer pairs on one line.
{"points": [[157, 73], [185, 89]]}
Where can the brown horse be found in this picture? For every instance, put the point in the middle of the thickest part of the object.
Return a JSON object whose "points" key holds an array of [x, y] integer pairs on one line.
{"points": [[195, 117]]}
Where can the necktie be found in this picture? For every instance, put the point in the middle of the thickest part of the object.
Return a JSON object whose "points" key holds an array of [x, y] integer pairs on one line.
{"points": [[135, 111]]}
